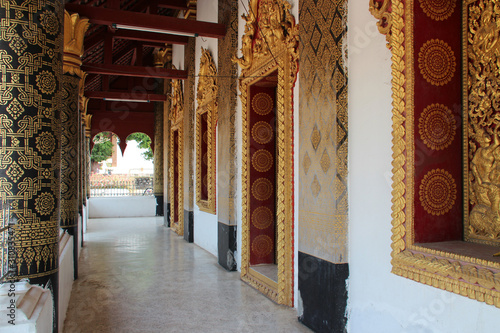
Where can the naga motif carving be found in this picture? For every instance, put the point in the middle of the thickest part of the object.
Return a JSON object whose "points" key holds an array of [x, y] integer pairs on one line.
{"points": [[483, 128]]}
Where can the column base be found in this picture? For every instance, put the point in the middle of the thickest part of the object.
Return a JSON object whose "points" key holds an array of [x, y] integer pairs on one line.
{"points": [[188, 226], [166, 216], [50, 282], [159, 205], [323, 290], [226, 242]]}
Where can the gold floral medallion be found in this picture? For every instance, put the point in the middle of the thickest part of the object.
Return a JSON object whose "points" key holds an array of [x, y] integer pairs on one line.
{"points": [[262, 132], [262, 218], [438, 192], [262, 245], [262, 160], [438, 10], [262, 103], [262, 189], [437, 126], [437, 62]]}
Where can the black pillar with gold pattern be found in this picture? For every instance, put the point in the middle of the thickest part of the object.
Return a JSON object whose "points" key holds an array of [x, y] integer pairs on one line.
{"points": [[31, 44], [69, 160], [73, 79], [161, 56]]}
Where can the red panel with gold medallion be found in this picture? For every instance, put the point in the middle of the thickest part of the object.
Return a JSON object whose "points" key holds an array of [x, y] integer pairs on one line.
{"points": [[437, 123], [262, 172]]}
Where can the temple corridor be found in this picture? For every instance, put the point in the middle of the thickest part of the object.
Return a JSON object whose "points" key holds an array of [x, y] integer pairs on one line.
{"points": [[138, 276]]}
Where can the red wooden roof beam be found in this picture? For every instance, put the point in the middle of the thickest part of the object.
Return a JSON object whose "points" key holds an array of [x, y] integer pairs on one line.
{"points": [[137, 71], [138, 96], [107, 16]]}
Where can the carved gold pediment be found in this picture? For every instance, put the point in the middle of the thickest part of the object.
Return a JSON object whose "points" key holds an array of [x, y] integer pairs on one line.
{"points": [[207, 83], [269, 28], [381, 10], [177, 101]]}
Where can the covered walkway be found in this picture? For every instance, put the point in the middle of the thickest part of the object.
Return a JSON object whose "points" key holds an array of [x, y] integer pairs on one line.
{"points": [[138, 276]]}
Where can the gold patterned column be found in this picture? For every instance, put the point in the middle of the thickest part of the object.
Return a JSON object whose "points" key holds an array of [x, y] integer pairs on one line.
{"points": [[29, 134], [188, 123], [71, 139], [88, 137], [161, 57], [226, 130]]}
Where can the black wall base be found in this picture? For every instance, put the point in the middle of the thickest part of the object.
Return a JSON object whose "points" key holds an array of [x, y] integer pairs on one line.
{"points": [[73, 231], [166, 217], [188, 226], [51, 282], [322, 287], [226, 240], [159, 205]]}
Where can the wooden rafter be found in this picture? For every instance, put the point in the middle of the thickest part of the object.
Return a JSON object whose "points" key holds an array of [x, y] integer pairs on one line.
{"points": [[137, 71], [107, 16], [126, 95]]}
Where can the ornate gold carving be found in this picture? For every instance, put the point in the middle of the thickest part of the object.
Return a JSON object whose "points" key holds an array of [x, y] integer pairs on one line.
{"points": [[483, 125], [207, 109], [380, 9], [176, 119], [438, 10], [262, 103], [464, 275], [267, 47], [262, 245], [437, 126], [262, 160], [438, 192], [262, 189], [274, 29], [162, 56], [88, 125], [262, 217], [262, 132], [437, 62], [177, 100], [74, 33]]}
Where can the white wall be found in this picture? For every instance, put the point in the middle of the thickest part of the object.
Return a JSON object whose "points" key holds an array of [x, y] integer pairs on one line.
{"points": [[66, 274], [378, 300], [205, 224], [134, 206]]}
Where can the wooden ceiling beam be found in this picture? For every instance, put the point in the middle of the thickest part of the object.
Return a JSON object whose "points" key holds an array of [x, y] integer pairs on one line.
{"points": [[137, 71], [126, 95], [173, 4], [153, 37], [107, 16]]}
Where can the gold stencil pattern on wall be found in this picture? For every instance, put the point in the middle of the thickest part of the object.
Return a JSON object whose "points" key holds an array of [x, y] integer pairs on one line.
{"points": [[438, 192], [262, 189], [437, 62], [315, 137], [437, 126], [262, 160], [262, 132], [262, 104], [323, 125], [262, 245], [438, 10], [262, 217]]}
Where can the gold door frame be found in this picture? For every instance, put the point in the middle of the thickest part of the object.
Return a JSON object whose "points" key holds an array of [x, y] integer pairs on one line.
{"points": [[475, 277], [269, 44], [176, 118], [207, 103]]}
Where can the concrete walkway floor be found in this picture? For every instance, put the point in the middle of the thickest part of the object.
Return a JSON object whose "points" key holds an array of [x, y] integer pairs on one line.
{"points": [[138, 276]]}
